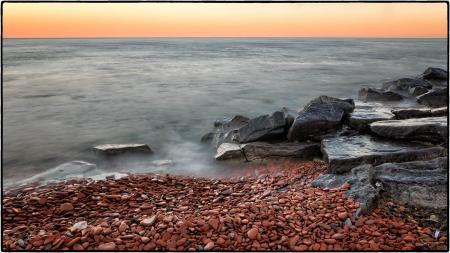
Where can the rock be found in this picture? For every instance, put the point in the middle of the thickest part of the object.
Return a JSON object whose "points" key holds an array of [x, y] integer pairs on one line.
{"points": [[411, 113], [346, 152], [252, 233], [438, 112], [432, 129], [419, 183], [418, 90], [207, 138], [403, 85], [321, 115], [66, 207], [123, 227], [262, 128], [374, 94], [262, 150], [290, 116], [365, 114], [435, 74], [107, 246], [209, 246], [434, 98], [118, 149], [229, 151], [79, 226], [227, 130], [148, 221], [360, 188]]}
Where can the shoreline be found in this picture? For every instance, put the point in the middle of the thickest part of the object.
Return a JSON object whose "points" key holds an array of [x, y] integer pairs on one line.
{"points": [[276, 210]]}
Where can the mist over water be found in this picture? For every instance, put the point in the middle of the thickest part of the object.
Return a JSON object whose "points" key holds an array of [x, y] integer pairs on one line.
{"points": [[63, 96]]}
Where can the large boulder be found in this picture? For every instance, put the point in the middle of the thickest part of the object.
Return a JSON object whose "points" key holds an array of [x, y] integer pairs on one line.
{"points": [[404, 85], [346, 152], [263, 150], [420, 183], [365, 114], [320, 116], [434, 98], [360, 188], [120, 149], [435, 74], [262, 128], [432, 129], [375, 94]]}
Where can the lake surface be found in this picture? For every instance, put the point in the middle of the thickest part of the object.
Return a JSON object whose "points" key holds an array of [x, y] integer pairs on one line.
{"points": [[63, 96]]}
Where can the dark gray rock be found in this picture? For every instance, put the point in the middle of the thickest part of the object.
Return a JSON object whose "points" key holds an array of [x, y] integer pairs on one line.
{"points": [[438, 112], [255, 151], [434, 98], [419, 183], [403, 85], [409, 113], [119, 149], [225, 130], [321, 115], [263, 150], [432, 129], [365, 114], [290, 116], [265, 127], [344, 153], [417, 91], [207, 138], [435, 74], [360, 188], [374, 94]]}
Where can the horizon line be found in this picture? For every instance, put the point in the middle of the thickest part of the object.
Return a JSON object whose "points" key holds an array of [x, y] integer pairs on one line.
{"points": [[225, 37]]}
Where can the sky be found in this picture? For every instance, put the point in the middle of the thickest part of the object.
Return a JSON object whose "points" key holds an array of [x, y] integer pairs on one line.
{"points": [[63, 20]]}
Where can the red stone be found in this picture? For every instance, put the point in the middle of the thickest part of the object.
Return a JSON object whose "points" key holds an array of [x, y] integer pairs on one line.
{"points": [[252, 233]]}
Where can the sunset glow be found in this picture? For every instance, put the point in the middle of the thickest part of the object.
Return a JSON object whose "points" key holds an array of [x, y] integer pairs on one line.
{"points": [[43, 20]]}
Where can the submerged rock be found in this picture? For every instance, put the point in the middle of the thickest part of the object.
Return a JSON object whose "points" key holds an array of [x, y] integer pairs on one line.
{"points": [[418, 183], [344, 153], [321, 115], [416, 91], [363, 115], [265, 127], [432, 129], [263, 150], [434, 98], [118, 149], [375, 94], [435, 74], [360, 188], [403, 85]]}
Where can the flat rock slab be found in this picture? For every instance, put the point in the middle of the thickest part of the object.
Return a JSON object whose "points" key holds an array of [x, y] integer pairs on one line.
{"points": [[364, 114], [119, 149], [409, 113], [344, 153], [262, 150], [265, 127], [360, 188], [418, 183], [255, 151], [432, 129]]}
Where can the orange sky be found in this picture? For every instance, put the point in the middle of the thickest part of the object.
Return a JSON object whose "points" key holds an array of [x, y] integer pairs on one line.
{"points": [[224, 20]]}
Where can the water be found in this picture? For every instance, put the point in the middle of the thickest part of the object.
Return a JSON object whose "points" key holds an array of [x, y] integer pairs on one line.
{"points": [[63, 96]]}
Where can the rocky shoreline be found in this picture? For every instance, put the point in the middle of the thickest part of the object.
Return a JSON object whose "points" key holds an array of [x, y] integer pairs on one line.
{"points": [[370, 174], [277, 210]]}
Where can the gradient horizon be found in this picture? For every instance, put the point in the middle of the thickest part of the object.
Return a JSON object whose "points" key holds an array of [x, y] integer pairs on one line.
{"points": [[217, 20]]}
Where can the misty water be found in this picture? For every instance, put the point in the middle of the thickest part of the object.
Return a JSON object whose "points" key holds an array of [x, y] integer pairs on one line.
{"points": [[64, 96]]}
